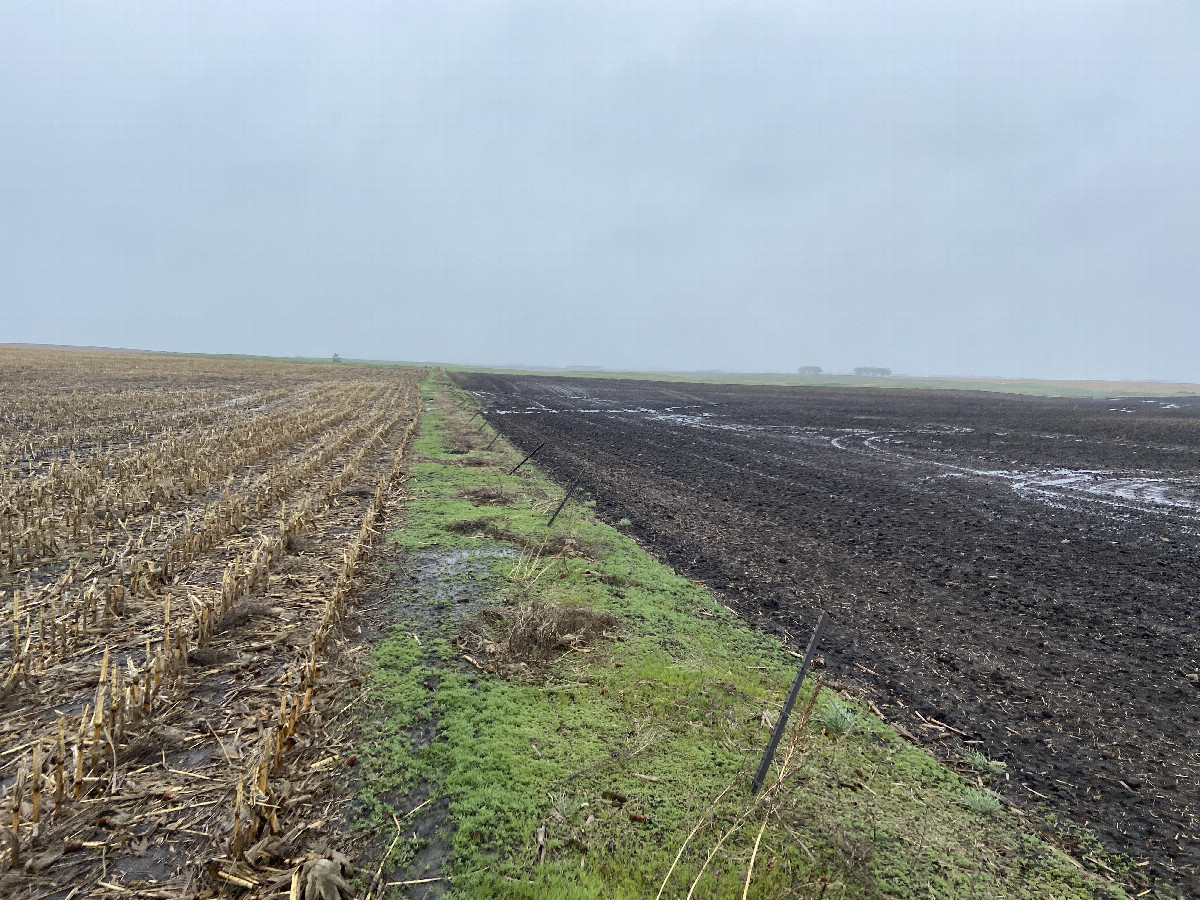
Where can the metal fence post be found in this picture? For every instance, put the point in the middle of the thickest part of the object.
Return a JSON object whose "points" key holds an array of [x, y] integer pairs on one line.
{"points": [[570, 491], [528, 456], [787, 707]]}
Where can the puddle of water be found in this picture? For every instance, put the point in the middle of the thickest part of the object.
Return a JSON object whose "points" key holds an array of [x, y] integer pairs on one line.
{"points": [[1131, 490], [452, 579], [1111, 485], [1115, 488]]}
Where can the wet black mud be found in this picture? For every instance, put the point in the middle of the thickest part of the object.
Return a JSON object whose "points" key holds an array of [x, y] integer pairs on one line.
{"points": [[1020, 575]]}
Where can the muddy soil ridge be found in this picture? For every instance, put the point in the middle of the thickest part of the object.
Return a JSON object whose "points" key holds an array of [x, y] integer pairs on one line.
{"points": [[1014, 574]]}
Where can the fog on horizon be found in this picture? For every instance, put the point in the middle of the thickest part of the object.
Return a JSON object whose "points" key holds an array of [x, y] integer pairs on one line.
{"points": [[941, 188]]}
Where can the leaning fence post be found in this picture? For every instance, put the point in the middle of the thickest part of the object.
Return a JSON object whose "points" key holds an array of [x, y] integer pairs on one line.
{"points": [[496, 438], [787, 707], [570, 491], [528, 456]]}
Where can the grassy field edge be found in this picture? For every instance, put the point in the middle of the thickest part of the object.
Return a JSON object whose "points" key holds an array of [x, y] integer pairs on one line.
{"points": [[574, 719]]}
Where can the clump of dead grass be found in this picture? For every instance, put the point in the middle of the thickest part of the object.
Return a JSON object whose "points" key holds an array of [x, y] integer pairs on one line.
{"points": [[566, 545], [545, 628], [533, 633], [478, 461], [484, 524], [490, 495], [461, 437], [468, 460], [530, 567]]}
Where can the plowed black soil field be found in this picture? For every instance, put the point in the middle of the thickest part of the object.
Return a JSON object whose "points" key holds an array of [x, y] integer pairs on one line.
{"points": [[1020, 575]]}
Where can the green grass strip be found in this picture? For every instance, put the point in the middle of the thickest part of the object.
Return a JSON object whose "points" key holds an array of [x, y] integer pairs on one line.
{"points": [[582, 775]]}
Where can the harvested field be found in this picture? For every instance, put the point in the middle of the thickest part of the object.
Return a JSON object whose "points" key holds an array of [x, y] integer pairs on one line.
{"points": [[1008, 574], [179, 539]]}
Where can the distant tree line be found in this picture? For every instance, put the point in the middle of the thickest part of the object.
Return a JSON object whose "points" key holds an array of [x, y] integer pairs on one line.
{"points": [[872, 370], [810, 370]]}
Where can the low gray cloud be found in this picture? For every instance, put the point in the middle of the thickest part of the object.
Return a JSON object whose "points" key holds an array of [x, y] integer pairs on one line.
{"points": [[941, 188]]}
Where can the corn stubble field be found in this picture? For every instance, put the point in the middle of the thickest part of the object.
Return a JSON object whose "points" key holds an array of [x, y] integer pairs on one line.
{"points": [[178, 538]]}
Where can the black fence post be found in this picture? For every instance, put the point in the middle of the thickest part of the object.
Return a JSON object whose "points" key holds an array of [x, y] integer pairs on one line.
{"points": [[787, 708], [570, 491], [528, 457]]}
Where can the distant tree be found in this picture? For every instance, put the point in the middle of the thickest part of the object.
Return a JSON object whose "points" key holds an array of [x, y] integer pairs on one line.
{"points": [[872, 370], [809, 370], [337, 357]]}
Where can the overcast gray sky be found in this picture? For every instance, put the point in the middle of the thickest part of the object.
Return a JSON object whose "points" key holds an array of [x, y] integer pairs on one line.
{"points": [[991, 188]]}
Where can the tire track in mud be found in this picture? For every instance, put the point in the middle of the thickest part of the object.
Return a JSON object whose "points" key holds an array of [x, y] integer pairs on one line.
{"points": [[1057, 635], [430, 593]]}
